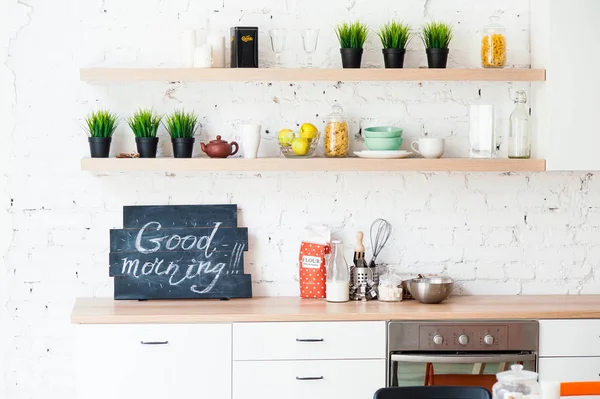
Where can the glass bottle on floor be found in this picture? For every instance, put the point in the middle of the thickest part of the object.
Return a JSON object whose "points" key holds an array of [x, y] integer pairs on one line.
{"points": [[519, 136]]}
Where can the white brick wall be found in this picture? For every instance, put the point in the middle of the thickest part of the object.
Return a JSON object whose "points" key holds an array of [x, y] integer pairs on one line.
{"points": [[496, 234]]}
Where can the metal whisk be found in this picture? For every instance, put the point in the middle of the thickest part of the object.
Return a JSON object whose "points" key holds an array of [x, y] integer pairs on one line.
{"points": [[380, 233]]}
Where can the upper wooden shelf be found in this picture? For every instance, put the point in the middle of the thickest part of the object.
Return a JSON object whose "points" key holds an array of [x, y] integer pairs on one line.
{"points": [[333, 75], [311, 165]]}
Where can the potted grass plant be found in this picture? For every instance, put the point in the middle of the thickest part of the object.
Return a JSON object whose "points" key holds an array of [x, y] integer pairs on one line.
{"points": [[144, 123], [437, 37], [182, 126], [395, 36], [352, 37], [100, 126]]}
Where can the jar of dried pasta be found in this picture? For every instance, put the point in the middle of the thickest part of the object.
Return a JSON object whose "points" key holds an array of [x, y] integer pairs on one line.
{"points": [[336, 134], [493, 45]]}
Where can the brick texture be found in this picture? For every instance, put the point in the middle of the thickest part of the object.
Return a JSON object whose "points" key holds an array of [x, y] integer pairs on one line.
{"points": [[495, 233]]}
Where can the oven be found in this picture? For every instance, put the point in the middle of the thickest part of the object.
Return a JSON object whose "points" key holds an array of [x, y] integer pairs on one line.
{"points": [[458, 353]]}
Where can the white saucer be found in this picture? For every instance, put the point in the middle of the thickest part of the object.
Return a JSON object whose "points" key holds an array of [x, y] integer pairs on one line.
{"points": [[383, 154]]}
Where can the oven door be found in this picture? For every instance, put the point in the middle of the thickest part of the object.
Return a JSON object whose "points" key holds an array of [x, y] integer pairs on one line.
{"points": [[457, 369]]}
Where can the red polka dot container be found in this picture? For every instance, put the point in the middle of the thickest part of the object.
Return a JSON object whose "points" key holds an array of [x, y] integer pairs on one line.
{"points": [[312, 270]]}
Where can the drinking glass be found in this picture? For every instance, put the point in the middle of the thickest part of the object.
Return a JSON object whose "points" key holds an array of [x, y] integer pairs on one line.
{"points": [[310, 39], [278, 44]]}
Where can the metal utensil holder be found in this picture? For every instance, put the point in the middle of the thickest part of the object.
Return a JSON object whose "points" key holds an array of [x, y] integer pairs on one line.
{"points": [[364, 282]]}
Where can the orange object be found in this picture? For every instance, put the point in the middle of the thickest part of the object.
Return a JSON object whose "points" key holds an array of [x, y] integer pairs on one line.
{"points": [[312, 270], [464, 380], [579, 388]]}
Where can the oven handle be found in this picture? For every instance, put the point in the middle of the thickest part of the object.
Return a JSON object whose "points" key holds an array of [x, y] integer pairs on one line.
{"points": [[462, 359]]}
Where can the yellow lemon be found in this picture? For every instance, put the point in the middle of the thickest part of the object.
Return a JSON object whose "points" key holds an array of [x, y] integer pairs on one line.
{"points": [[285, 137], [308, 131], [300, 146]]}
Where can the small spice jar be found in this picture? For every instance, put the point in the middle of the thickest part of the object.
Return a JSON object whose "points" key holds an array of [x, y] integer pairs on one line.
{"points": [[390, 288], [336, 134], [493, 45]]}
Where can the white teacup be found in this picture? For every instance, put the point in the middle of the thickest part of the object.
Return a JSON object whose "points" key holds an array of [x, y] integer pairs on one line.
{"points": [[429, 148]]}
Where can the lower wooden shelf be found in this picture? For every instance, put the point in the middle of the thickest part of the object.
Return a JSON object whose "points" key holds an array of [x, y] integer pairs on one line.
{"points": [[311, 165]]}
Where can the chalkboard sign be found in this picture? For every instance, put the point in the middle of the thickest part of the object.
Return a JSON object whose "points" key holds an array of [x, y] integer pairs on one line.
{"points": [[179, 252]]}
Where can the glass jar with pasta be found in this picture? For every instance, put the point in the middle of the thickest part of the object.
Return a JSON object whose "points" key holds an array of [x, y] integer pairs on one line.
{"points": [[336, 134], [493, 45]]}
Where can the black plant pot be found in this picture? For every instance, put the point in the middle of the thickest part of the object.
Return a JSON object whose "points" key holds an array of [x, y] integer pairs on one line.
{"points": [[351, 57], [437, 57], [99, 146], [394, 57], [183, 148], [147, 146]]}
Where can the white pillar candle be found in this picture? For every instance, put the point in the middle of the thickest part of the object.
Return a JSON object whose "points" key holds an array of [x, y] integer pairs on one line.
{"points": [[217, 44], [202, 57], [550, 389], [189, 47]]}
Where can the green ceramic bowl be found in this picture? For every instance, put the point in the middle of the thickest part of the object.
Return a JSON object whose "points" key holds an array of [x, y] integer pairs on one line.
{"points": [[392, 144], [383, 132]]}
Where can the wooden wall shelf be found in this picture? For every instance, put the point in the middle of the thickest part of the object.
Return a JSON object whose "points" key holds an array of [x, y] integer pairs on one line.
{"points": [[312, 75], [311, 165]]}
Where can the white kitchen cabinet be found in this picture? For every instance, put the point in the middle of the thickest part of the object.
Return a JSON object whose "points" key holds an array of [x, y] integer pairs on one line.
{"points": [[565, 107], [569, 338], [314, 379], [154, 361], [299, 341], [569, 350], [570, 369]]}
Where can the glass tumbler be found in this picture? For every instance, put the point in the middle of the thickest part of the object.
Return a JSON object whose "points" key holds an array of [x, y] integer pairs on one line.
{"points": [[481, 131]]}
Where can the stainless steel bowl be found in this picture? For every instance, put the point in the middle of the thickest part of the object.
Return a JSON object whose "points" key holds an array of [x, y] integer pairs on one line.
{"points": [[431, 289]]}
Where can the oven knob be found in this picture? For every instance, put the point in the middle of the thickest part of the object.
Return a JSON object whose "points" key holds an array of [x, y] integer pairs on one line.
{"points": [[488, 340], [463, 339], [438, 339]]}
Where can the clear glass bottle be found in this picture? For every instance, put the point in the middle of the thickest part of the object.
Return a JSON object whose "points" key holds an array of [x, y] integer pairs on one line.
{"points": [[519, 135], [338, 275], [493, 45], [336, 134]]}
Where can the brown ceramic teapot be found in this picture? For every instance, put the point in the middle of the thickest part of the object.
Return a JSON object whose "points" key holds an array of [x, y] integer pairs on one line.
{"points": [[220, 148]]}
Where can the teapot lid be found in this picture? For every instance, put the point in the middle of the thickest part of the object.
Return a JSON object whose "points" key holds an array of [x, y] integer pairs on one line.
{"points": [[517, 374], [218, 141]]}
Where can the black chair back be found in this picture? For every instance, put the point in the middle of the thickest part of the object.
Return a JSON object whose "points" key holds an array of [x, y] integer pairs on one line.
{"points": [[433, 392]]}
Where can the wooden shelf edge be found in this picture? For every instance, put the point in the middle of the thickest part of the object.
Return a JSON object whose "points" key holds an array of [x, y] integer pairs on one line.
{"points": [[99, 165], [325, 74]]}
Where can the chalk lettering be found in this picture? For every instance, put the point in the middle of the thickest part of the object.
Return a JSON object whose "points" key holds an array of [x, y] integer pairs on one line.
{"points": [[190, 246], [146, 271], [156, 241], [128, 265]]}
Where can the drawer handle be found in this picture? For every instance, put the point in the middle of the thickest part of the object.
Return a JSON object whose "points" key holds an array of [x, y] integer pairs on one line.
{"points": [[310, 340], [154, 342], [309, 378]]}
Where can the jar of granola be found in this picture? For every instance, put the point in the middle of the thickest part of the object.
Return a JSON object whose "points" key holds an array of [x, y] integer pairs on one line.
{"points": [[493, 45], [336, 134]]}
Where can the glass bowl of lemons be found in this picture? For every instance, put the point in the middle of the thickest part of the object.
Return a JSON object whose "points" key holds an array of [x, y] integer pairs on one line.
{"points": [[302, 144]]}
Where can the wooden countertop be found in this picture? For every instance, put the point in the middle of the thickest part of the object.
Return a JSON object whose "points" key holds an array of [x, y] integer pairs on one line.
{"points": [[107, 311]]}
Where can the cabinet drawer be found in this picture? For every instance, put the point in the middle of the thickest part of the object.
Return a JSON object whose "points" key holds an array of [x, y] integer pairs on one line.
{"points": [[570, 369], [297, 341], [153, 361], [569, 338], [315, 379]]}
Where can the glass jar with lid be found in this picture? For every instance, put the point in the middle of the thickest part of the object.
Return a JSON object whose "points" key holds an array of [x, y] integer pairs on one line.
{"points": [[336, 134], [493, 45], [516, 384], [390, 288]]}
